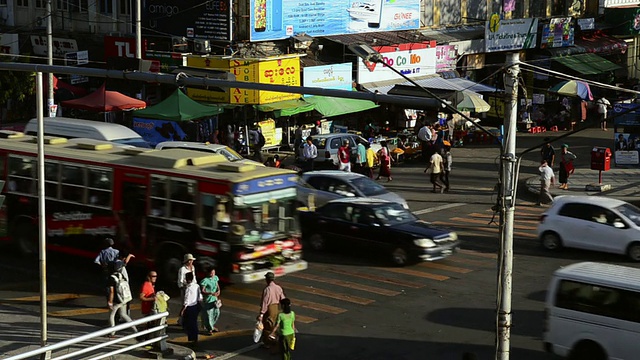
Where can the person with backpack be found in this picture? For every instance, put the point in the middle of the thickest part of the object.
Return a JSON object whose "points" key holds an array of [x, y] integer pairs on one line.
{"points": [[119, 296]]}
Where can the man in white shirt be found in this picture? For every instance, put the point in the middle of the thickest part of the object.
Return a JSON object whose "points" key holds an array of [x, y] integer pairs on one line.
{"points": [[603, 105], [309, 154], [547, 178], [191, 308], [435, 168], [424, 135]]}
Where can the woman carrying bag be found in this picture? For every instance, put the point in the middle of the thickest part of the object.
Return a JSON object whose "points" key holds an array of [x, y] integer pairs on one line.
{"points": [[286, 326], [566, 166]]}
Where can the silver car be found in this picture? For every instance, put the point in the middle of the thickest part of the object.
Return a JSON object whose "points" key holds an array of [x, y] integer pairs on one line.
{"points": [[328, 145], [319, 187]]}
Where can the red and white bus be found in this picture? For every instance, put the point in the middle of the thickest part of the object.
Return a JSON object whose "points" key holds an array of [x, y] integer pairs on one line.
{"points": [[158, 204]]}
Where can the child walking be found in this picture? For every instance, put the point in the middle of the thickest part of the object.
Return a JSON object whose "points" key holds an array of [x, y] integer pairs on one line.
{"points": [[286, 325]]}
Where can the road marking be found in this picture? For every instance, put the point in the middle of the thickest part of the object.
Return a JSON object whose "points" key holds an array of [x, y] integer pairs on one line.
{"points": [[399, 282], [421, 274], [181, 340], [488, 216], [305, 304], [326, 293], [438, 208], [245, 306], [239, 352], [52, 297], [477, 253], [440, 266], [86, 311], [492, 230], [347, 284], [484, 222], [460, 260]]}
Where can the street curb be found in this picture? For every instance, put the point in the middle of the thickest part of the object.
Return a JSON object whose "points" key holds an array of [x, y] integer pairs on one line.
{"points": [[535, 190], [182, 340]]}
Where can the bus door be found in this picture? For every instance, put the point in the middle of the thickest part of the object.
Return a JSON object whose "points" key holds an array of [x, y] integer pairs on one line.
{"points": [[131, 208]]}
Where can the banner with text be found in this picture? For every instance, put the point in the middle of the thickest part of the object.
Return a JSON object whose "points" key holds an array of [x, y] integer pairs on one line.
{"points": [[336, 76], [280, 19], [188, 18], [510, 35], [412, 63]]}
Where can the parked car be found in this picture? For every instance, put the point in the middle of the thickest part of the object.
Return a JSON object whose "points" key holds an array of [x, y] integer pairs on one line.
{"points": [[376, 226], [224, 150], [328, 145], [329, 185], [591, 223]]}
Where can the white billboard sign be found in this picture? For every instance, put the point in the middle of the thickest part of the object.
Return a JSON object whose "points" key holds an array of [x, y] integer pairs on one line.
{"points": [[412, 63], [510, 35]]}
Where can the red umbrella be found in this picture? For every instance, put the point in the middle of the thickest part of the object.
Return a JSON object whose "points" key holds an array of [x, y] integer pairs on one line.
{"points": [[103, 100]]}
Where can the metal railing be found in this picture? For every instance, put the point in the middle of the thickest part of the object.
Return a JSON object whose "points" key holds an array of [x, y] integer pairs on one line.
{"points": [[161, 317]]}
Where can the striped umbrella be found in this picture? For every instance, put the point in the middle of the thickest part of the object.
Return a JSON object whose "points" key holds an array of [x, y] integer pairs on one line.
{"points": [[573, 88]]}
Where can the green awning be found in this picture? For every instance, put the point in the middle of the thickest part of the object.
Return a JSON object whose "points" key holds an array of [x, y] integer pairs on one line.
{"points": [[587, 64], [332, 106], [178, 107], [286, 108]]}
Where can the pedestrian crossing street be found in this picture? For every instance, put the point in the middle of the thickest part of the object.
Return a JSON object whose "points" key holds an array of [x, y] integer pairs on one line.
{"points": [[328, 288]]}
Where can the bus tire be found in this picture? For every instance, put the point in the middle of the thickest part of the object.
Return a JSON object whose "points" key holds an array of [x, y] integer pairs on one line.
{"points": [[169, 262], [25, 238], [587, 350]]}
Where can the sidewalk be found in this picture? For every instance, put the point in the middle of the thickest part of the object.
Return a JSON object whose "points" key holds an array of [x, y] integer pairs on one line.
{"points": [[20, 332], [625, 184]]}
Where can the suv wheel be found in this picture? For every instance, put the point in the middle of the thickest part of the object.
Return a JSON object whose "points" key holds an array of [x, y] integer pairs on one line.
{"points": [[551, 241], [633, 251]]}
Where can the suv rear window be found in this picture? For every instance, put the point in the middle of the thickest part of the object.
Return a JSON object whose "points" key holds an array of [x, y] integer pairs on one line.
{"points": [[336, 142]]}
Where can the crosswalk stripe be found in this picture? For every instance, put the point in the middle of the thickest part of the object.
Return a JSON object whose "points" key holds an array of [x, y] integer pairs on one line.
{"points": [[460, 260], [483, 222], [326, 293], [440, 266], [421, 274], [493, 230], [52, 297], [347, 284], [305, 304], [479, 254], [378, 278], [86, 311], [245, 306]]}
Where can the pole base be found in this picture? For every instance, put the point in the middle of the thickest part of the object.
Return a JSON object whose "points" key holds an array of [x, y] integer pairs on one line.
{"points": [[598, 187]]}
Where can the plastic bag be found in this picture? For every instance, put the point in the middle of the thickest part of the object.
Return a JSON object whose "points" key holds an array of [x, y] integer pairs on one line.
{"points": [[257, 333], [293, 343]]}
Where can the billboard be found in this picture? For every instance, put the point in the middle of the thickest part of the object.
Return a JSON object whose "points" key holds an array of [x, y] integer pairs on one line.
{"points": [[280, 19], [559, 33], [188, 18], [336, 76], [446, 57], [412, 63], [281, 71], [510, 34]]}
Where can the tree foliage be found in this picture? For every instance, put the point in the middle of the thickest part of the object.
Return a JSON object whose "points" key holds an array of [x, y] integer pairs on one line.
{"points": [[16, 85]]}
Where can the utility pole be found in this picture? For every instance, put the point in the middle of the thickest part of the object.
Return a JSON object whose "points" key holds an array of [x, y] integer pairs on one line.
{"points": [[41, 218], [50, 100], [507, 204], [138, 29]]}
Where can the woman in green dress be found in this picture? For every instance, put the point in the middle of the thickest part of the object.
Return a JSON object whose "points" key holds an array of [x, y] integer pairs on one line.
{"points": [[210, 305], [286, 325]]}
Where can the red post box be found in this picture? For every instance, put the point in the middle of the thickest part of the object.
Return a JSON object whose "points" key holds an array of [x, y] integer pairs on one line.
{"points": [[600, 158]]}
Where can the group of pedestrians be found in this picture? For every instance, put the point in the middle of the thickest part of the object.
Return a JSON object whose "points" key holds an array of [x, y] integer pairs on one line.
{"points": [[547, 178], [278, 320]]}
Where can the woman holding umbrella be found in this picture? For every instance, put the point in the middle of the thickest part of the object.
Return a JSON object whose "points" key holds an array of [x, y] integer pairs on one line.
{"points": [[566, 166]]}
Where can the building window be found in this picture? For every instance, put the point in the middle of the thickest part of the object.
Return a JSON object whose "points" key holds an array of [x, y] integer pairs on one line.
{"points": [[105, 6], [62, 5], [41, 4], [125, 7], [23, 3], [78, 6], [3, 2]]}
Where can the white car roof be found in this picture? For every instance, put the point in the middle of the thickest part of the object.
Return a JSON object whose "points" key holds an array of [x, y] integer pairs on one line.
{"points": [[583, 199], [190, 144], [589, 272]]}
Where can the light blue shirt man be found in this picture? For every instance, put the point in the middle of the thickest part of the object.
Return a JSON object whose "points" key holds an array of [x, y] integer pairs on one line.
{"points": [[362, 154]]}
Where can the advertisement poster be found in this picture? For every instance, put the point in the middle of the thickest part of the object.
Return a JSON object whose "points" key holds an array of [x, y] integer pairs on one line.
{"points": [[336, 76], [280, 19], [268, 129], [510, 34], [157, 131], [559, 33], [412, 63], [192, 19], [626, 138], [626, 149], [446, 58]]}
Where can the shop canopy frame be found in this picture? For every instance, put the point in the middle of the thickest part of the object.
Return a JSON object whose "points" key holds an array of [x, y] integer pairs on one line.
{"points": [[587, 63]]}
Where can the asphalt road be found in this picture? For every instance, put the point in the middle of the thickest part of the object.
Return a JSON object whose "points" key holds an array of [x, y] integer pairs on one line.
{"points": [[350, 306]]}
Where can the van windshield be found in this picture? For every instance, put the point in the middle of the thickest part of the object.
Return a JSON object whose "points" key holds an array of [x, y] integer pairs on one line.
{"points": [[137, 142]]}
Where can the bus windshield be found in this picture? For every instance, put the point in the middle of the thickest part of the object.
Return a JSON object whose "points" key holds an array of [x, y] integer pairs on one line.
{"points": [[256, 223]]}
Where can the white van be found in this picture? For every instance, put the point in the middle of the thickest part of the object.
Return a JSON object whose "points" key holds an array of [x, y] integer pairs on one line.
{"points": [[77, 128], [592, 312]]}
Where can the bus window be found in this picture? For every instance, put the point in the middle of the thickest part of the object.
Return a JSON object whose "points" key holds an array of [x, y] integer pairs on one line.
{"points": [[51, 176], [21, 174], [182, 199], [99, 187], [215, 211], [72, 179], [277, 216], [159, 196]]}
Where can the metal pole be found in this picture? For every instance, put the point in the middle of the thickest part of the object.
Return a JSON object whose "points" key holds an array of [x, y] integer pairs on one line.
{"points": [[50, 100], [41, 217], [508, 207], [138, 29]]}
